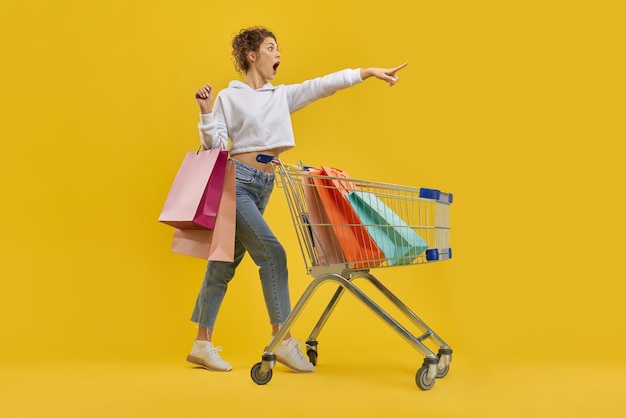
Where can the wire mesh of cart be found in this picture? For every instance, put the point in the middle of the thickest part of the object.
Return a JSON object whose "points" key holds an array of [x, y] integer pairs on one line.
{"points": [[346, 227]]}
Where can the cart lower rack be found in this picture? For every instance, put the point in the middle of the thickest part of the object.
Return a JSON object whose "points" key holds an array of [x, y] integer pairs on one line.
{"points": [[345, 227]]}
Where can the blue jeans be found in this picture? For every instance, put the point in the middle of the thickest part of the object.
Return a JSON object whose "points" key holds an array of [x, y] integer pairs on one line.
{"points": [[254, 236]]}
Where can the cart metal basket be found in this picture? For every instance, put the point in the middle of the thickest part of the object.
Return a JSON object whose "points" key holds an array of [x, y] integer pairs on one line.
{"points": [[345, 227]]}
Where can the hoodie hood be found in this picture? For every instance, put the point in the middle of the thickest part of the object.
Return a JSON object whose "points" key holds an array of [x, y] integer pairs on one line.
{"points": [[236, 84]]}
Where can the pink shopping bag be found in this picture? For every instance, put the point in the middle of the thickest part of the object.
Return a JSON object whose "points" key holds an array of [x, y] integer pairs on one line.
{"points": [[326, 244], [194, 198], [219, 243]]}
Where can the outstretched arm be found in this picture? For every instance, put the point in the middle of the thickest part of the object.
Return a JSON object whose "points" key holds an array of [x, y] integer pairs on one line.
{"points": [[385, 74]]}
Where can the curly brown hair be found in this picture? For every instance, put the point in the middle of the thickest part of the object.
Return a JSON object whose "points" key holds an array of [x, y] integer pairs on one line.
{"points": [[249, 39]]}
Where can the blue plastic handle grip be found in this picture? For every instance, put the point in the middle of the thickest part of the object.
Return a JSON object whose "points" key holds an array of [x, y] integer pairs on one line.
{"points": [[264, 158]]}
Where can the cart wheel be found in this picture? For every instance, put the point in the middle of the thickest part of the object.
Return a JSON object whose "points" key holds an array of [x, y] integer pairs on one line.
{"points": [[421, 379], [258, 377], [312, 356], [443, 372]]}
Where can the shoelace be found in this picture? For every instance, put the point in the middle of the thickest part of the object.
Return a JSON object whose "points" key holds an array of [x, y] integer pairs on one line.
{"points": [[214, 351], [299, 352]]}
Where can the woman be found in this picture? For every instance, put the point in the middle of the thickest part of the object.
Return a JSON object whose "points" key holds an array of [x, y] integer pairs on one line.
{"points": [[255, 116]]}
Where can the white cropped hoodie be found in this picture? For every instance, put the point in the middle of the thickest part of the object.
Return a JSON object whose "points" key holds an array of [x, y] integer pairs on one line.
{"points": [[259, 120]]}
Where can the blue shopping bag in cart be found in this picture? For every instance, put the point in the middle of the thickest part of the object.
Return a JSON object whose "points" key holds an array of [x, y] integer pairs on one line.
{"points": [[397, 240]]}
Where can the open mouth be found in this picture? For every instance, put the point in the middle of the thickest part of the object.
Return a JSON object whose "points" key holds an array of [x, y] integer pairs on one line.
{"points": [[276, 65]]}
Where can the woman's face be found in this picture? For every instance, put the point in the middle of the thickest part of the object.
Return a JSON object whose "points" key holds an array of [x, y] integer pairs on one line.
{"points": [[267, 59]]}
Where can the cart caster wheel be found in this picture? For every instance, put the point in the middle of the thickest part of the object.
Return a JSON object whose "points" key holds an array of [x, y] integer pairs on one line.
{"points": [[443, 372], [312, 354], [311, 351], [421, 379], [258, 377]]}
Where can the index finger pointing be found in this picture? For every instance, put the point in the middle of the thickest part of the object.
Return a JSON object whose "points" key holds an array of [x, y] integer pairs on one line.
{"points": [[399, 67]]}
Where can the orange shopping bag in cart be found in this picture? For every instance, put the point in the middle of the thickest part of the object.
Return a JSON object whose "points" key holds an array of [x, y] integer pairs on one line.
{"points": [[356, 243]]}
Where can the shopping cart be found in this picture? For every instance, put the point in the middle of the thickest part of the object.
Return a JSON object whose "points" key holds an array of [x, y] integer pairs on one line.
{"points": [[345, 227]]}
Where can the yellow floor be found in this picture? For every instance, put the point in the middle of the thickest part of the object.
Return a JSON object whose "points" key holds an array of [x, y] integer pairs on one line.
{"points": [[346, 388]]}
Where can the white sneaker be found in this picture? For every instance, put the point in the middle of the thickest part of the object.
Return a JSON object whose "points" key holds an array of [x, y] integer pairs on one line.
{"points": [[204, 354], [289, 354]]}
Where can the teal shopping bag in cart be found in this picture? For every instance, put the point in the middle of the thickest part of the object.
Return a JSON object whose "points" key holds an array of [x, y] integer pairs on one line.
{"points": [[397, 240]]}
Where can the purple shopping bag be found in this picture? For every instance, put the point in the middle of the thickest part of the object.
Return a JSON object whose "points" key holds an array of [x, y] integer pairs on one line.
{"points": [[194, 198]]}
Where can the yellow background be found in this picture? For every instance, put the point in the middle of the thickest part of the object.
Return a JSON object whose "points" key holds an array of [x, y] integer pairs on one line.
{"points": [[515, 107]]}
